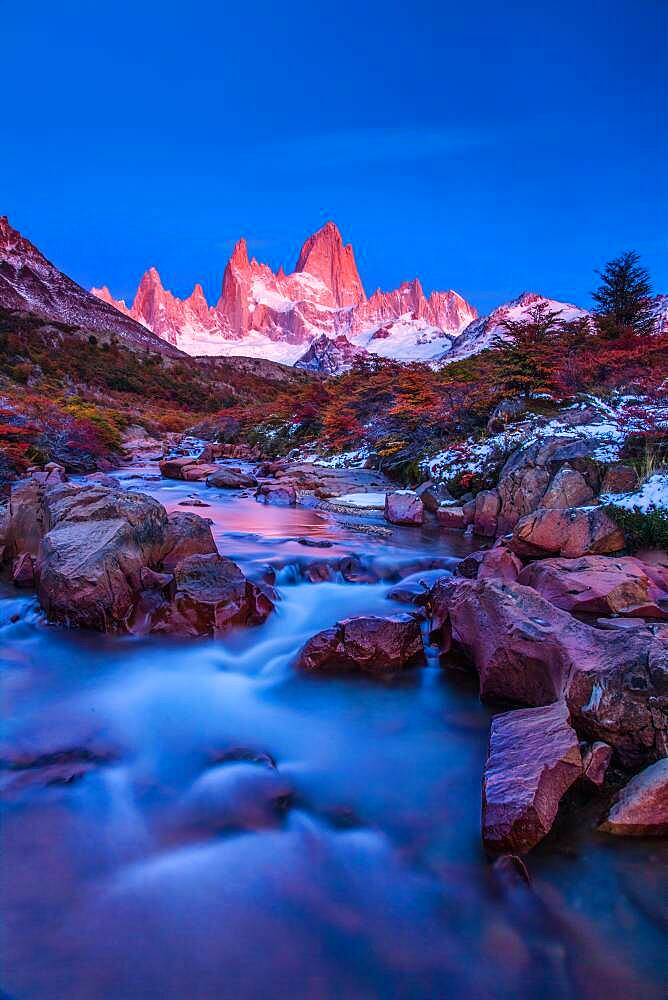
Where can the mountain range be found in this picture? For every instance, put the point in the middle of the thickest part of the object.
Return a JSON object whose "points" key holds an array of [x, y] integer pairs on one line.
{"points": [[318, 317], [279, 315]]}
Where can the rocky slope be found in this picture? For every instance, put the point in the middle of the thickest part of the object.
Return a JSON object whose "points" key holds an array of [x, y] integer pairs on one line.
{"points": [[30, 283], [277, 315]]}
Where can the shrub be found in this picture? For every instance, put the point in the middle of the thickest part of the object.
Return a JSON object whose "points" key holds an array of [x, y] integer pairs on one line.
{"points": [[642, 529]]}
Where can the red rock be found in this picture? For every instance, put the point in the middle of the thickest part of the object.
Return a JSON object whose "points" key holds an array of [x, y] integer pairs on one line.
{"points": [[487, 504], [230, 479], [150, 580], [211, 595], [571, 532], [23, 571], [27, 521], [595, 763], [530, 652], [620, 478], [198, 472], [520, 492], [173, 468], [90, 559], [186, 535], [533, 760], [283, 495], [568, 489], [596, 585], [368, 643], [434, 496], [497, 563], [451, 517], [641, 809], [403, 507]]}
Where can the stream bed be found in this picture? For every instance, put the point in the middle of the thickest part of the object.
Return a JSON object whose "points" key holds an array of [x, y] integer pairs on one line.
{"points": [[236, 830]]}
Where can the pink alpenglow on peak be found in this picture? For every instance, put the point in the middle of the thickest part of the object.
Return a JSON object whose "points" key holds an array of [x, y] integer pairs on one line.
{"points": [[279, 316]]}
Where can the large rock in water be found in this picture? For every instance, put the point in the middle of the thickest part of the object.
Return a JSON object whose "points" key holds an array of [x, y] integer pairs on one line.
{"points": [[597, 585], [530, 652], [497, 563], [230, 479], [186, 535], [368, 643], [211, 595], [571, 532], [641, 808], [89, 562], [404, 507], [277, 494], [533, 759]]}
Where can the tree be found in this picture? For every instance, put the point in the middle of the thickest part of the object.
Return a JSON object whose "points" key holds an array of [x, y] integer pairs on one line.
{"points": [[623, 299], [527, 358]]}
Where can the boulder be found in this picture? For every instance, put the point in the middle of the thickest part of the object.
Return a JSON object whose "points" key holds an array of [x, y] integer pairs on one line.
{"points": [[530, 652], [521, 646], [595, 763], [370, 644], [403, 507], [173, 468], [230, 479], [27, 522], [520, 492], [568, 488], [620, 478], [469, 512], [198, 472], [186, 535], [487, 505], [572, 532], [641, 808], [533, 759], [23, 571], [618, 693], [497, 563], [451, 518], [211, 595], [277, 495], [433, 495], [597, 585], [90, 559], [102, 479]]}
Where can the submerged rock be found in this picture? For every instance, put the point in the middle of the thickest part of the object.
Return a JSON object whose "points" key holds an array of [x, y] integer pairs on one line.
{"points": [[533, 760], [369, 643]]}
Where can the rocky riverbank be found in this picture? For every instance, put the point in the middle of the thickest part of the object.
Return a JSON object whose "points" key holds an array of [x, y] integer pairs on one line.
{"points": [[553, 616]]}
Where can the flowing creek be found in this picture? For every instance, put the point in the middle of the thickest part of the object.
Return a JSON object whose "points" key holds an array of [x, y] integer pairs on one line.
{"points": [[184, 866]]}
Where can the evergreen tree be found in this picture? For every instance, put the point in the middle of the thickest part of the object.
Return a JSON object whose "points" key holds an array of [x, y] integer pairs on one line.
{"points": [[527, 357], [623, 299]]}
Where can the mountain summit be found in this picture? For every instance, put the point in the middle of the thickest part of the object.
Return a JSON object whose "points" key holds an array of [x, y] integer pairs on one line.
{"points": [[278, 316]]}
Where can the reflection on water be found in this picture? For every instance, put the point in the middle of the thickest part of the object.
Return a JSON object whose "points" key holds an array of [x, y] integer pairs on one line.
{"points": [[240, 831]]}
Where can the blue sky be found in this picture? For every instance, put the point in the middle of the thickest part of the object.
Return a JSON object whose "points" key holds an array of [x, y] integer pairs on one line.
{"points": [[486, 147]]}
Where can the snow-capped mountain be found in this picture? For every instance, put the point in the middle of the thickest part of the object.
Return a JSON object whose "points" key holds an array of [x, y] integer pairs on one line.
{"points": [[31, 283], [278, 316], [330, 355], [481, 333]]}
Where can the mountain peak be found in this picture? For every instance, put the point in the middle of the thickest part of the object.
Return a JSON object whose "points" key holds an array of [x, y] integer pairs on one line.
{"points": [[239, 256], [325, 257]]}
